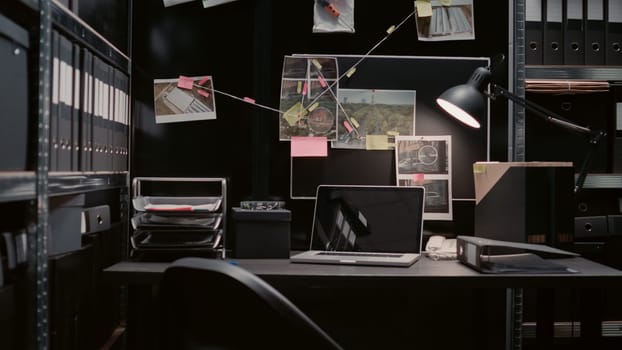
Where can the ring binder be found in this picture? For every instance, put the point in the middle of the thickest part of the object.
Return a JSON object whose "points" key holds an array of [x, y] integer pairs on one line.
{"points": [[494, 256], [553, 39], [534, 30], [614, 33], [574, 43], [595, 33]]}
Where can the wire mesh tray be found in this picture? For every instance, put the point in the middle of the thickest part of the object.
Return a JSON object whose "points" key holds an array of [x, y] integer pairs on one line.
{"points": [[176, 204], [168, 221]]}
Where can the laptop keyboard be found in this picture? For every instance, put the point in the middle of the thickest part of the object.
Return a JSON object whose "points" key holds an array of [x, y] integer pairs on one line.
{"points": [[363, 254]]}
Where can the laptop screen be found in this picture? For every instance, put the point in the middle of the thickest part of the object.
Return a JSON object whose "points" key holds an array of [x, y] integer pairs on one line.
{"points": [[368, 218]]}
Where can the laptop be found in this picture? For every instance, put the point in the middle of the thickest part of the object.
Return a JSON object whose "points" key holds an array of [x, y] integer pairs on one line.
{"points": [[365, 225]]}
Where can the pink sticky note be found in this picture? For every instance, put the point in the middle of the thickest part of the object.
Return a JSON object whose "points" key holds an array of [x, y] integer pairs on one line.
{"points": [[185, 82], [304, 89], [347, 125], [309, 146], [203, 92], [248, 99], [204, 80], [418, 178], [322, 81]]}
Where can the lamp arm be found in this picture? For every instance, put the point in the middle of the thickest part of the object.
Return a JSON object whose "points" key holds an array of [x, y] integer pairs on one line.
{"points": [[539, 110], [595, 137]]}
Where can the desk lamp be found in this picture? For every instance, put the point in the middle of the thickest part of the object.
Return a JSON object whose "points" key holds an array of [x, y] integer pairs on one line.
{"points": [[467, 101]]}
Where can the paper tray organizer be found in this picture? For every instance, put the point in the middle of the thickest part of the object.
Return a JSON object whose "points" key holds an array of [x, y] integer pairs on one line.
{"points": [[178, 217]]}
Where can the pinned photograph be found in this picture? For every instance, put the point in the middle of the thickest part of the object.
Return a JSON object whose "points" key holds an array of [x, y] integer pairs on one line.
{"points": [[369, 119], [426, 161], [443, 20], [308, 97], [184, 99], [333, 16]]}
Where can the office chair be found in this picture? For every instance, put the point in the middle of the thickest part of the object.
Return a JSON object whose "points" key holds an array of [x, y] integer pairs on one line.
{"points": [[212, 304]]}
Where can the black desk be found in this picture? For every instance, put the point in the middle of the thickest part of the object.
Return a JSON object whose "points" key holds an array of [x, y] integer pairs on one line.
{"points": [[425, 275]]}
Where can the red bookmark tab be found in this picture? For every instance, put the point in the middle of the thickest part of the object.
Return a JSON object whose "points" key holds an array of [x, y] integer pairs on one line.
{"points": [[322, 81], [304, 89], [347, 125], [418, 178]]}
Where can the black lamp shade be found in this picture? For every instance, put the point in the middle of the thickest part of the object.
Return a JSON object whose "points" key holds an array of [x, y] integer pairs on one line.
{"points": [[467, 102]]}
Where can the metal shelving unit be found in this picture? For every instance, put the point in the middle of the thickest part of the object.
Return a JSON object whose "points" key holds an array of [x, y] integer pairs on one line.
{"points": [[519, 72], [34, 187]]}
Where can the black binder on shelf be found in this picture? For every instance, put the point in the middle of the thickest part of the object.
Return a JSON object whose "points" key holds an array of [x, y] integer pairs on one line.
{"points": [[76, 111], [86, 122], [125, 121], [117, 130], [534, 30], [109, 118], [574, 41], [595, 32], [553, 33], [613, 48], [55, 101], [65, 103], [99, 133]]}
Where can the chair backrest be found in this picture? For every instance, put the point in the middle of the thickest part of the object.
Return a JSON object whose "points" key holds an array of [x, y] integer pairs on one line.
{"points": [[212, 304]]}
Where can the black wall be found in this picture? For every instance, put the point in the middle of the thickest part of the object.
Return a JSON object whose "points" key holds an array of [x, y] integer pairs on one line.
{"points": [[242, 45]]}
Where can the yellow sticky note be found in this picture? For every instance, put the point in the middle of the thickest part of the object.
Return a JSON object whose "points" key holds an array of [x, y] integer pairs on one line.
{"points": [[479, 169], [293, 114], [313, 106], [377, 142], [424, 8], [445, 2], [316, 63], [299, 87], [354, 122], [351, 72]]}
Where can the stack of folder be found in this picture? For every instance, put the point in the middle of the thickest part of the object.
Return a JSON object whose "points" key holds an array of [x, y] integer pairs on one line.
{"points": [[573, 32], [89, 113]]}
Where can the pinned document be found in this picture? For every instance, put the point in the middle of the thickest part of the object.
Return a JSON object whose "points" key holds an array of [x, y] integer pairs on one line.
{"points": [[333, 16], [367, 107], [179, 100], [308, 96], [437, 21], [212, 3], [426, 161], [168, 3]]}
